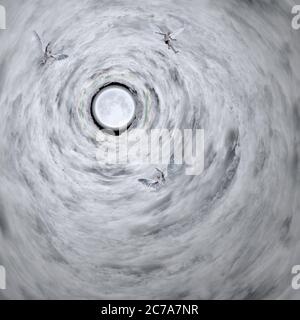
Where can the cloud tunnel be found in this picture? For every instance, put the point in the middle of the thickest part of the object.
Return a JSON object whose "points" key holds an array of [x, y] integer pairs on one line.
{"points": [[71, 227]]}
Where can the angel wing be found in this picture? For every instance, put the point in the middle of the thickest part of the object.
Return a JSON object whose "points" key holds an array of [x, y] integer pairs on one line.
{"points": [[60, 56], [177, 32], [48, 48], [159, 29], [149, 183], [162, 175], [39, 40]]}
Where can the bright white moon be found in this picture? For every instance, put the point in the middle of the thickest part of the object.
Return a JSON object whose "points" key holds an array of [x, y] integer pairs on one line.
{"points": [[114, 108]]}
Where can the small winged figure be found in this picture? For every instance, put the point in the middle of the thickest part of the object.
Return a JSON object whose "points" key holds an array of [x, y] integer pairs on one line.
{"points": [[156, 182], [169, 37], [47, 52]]}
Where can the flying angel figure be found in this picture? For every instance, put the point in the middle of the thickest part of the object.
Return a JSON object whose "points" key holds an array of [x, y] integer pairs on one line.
{"points": [[156, 182], [169, 37], [48, 51]]}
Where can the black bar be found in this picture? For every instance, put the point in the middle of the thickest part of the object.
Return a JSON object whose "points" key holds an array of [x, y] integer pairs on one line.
{"points": [[144, 309]]}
